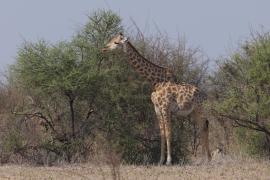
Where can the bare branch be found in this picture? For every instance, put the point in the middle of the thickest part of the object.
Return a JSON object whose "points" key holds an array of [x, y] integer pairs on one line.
{"points": [[37, 115], [244, 122]]}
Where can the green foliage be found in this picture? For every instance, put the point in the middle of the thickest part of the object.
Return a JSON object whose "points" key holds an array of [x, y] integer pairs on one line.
{"points": [[252, 142], [102, 25], [242, 85], [51, 69], [12, 142]]}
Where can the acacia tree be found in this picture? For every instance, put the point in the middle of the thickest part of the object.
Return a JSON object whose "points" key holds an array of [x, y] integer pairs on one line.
{"points": [[62, 80], [242, 90]]}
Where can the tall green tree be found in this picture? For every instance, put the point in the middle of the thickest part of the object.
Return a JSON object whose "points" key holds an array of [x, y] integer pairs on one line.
{"points": [[64, 79], [242, 88]]}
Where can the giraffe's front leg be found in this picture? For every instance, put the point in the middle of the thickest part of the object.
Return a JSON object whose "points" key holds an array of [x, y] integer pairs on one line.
{"points": [[161, 127], [167, 125], [162, 141]]}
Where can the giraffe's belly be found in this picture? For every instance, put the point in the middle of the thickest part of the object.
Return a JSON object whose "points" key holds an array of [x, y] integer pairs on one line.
{"points": [[181, 109], [184, 112]]}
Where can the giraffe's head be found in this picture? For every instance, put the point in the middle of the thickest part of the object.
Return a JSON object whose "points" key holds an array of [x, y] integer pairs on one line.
{"points": [[115, 42]]}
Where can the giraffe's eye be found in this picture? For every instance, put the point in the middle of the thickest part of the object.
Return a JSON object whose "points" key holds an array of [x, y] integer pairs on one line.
{"points": [[116, 43]]}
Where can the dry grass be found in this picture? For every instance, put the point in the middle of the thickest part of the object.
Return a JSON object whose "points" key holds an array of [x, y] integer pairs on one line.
{"points": [[229, 169]]}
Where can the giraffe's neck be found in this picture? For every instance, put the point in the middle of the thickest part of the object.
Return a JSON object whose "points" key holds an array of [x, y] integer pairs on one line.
{"points": [[145, 68]]}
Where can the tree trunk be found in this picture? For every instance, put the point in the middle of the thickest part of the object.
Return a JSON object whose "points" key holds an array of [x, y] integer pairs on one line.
{"points": [[267, 143], [71, 102]]}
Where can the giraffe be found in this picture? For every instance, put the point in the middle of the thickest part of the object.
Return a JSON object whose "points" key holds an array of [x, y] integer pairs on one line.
{"points": [[167, 96]]}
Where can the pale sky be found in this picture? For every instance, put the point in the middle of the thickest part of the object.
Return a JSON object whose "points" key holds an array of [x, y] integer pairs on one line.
{"points": [[216, 26]]}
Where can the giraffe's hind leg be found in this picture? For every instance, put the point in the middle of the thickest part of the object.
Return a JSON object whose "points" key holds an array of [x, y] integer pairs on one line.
{"points": [[205, 139], [162, 141], [202, 125]]}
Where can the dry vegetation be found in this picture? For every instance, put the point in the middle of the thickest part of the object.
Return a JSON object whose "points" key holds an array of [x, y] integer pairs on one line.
{"points": [[220, 169]]}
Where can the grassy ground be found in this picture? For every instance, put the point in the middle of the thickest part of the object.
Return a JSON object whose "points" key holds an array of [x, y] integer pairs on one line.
{"points": [[248, 169]]}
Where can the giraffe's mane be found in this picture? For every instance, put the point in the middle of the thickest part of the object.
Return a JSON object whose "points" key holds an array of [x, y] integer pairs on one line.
{"points": [[144, 57]]}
